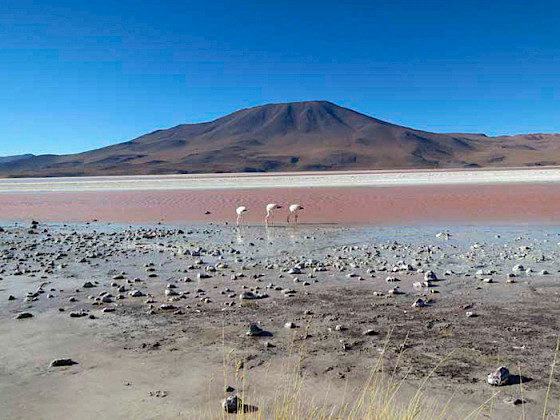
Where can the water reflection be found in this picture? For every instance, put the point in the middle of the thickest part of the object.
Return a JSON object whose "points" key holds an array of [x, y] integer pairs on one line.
{"points": [[239, 235]]}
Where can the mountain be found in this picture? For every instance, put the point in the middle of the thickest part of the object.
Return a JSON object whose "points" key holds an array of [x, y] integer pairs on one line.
{"points": [[299, 136], [7, 159]]}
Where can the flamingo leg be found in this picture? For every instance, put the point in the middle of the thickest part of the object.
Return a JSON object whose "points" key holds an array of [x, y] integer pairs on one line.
{"points": [[288, 219], [296, 216], [238, 217], [266, 218]]}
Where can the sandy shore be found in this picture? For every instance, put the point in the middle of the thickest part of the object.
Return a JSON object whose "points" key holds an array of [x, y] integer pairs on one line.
{"points": [[137, 358]]}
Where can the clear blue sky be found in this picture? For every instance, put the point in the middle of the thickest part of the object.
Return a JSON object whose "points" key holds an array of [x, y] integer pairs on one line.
{"points": [[77, 75]]}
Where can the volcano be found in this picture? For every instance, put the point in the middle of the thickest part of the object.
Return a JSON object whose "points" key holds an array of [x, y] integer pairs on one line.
{"points": [[298, 136]]}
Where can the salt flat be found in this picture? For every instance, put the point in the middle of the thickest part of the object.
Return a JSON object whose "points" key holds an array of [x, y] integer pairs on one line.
{"points": [[283, 180]]}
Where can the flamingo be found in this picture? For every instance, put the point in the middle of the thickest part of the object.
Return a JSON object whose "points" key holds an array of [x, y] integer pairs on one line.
{"points": [[240, 210], [294, 208], [269, 209]]}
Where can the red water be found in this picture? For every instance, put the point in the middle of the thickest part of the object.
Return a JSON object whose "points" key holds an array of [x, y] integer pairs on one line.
{"points": [[384, 206]]}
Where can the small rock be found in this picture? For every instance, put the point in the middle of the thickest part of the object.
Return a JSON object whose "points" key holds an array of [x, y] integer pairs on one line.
{"points": [[62, 362], [499, 377], [418, 303], [430, 276], [514, 401], [255, 331], [232, 404], [247, 296]]}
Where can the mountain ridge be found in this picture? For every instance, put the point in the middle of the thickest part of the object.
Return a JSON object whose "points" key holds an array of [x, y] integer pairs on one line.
{"points": [[294, 136], [12, 158]]}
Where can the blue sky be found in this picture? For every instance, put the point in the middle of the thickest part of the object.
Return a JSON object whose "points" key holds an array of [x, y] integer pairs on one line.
{"points": [[78, 75]]}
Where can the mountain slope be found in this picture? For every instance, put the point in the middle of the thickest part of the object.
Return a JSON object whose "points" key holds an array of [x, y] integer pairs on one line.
{"points": [[8, 159], [296, 136]]}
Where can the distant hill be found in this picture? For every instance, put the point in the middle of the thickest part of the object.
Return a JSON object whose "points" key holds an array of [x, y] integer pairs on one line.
{"points": [[299, 136], [7, 159]]}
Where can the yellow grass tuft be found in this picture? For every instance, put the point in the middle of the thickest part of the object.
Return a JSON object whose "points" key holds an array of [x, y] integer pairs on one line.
{"points": [[379, 398]]}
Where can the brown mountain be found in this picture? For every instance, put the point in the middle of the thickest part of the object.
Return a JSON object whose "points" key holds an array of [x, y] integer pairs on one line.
{"points": [[300, 136], [7, 159]]}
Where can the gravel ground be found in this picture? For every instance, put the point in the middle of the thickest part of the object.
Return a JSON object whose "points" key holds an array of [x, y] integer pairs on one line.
{"points": [[155, 318]]}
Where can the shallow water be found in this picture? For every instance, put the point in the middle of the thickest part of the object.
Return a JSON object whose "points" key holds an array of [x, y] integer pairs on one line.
{"points": [[387, 206], [468, 248]]}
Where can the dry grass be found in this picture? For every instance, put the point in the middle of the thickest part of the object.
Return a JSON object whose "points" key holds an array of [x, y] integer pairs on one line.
{"points": [[380, 398]]}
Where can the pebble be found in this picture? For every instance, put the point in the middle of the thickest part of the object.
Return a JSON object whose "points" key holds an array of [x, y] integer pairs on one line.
{"points": [[62, 362], [232, 404], [255, 331], [514, 401], [430, 276], [499, 377], [419, 303]]}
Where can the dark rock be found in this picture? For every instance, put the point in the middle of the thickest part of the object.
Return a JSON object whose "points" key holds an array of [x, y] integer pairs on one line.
{"points": [[232, 404], [62, 362]]}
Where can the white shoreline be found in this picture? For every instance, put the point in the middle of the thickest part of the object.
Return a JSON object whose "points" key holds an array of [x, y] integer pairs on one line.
{"points": [[283, 180]]}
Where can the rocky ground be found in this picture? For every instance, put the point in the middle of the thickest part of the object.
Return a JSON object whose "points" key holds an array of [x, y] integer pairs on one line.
{"points": [[155, 322]]}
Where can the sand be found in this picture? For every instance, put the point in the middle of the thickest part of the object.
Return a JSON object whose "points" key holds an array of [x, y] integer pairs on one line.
{"points": [[126, 358]]}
